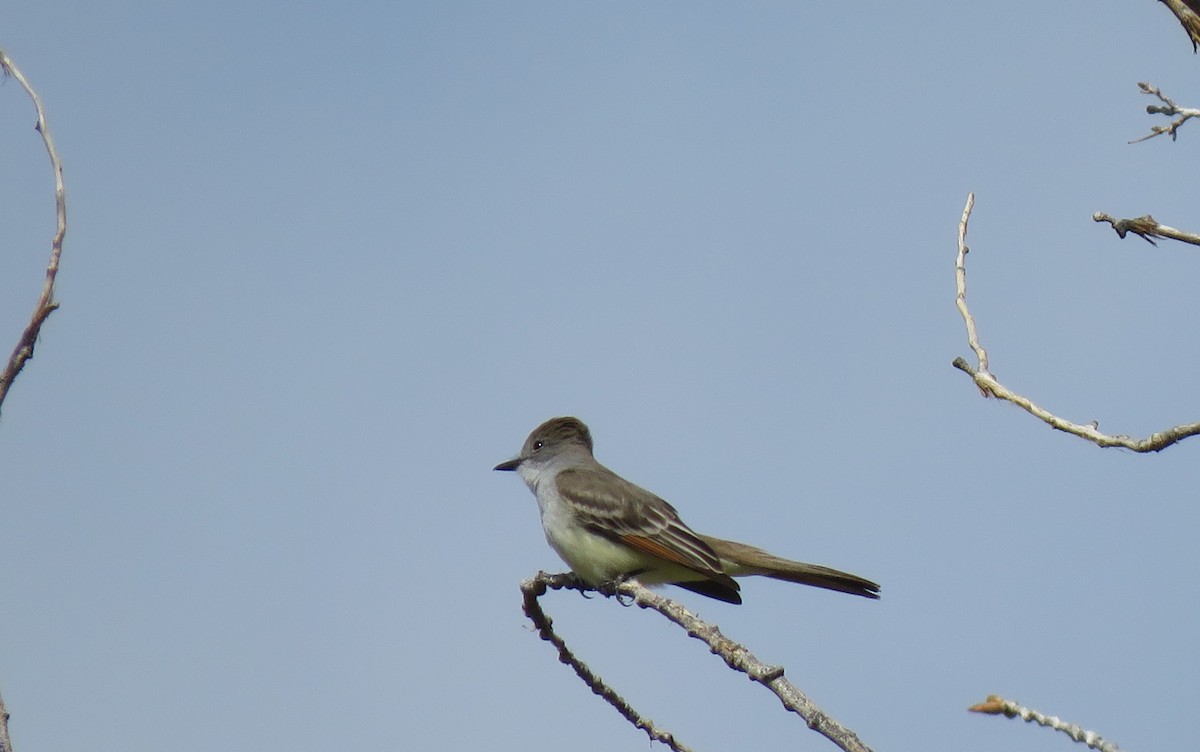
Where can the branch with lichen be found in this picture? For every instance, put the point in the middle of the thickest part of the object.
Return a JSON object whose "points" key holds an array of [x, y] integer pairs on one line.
{"points": [[990, 386], [1147, 228], [735, 656], [46, 305], [995, 705]]}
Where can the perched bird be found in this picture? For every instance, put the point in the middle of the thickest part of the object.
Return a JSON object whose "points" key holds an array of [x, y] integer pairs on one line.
{"points": [[608, 529]]}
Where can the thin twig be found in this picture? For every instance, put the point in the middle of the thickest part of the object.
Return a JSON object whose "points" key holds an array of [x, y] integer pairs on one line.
{"points": [[1169, 109], [735, 656], [45, 304], [1147, 228], [995, 705], [991, 387]]}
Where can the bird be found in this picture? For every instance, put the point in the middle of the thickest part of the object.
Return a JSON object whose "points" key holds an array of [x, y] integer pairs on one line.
{"points": [[608, 529]]}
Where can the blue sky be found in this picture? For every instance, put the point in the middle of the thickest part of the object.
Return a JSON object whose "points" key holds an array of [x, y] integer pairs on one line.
{"points": [[329, 263]]}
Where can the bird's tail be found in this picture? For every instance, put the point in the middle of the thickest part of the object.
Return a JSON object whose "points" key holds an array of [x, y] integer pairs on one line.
{"points": [[739, 559]]}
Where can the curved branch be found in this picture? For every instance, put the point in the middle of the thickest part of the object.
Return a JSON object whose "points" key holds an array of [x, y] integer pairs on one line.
{"points": [[995, 705], [989, 386], [45, 305], [735, 656]]}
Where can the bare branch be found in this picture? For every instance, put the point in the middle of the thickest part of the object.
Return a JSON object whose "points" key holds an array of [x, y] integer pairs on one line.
{"points": [[5, 741], [1188, 13], [45, 304], [1169, 108], [735, 656], [1147, 228], [995, 705], [989, 386], [534, 588], [960, 275]]}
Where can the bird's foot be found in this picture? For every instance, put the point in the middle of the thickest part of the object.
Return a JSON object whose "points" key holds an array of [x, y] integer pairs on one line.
{"points": [[612, 588]]}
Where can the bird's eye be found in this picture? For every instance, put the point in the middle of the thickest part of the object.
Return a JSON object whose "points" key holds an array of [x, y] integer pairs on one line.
{"points": [[537, 445]]}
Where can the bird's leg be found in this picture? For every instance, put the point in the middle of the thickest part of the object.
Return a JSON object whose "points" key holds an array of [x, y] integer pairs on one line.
{"points": [[611, 588]]}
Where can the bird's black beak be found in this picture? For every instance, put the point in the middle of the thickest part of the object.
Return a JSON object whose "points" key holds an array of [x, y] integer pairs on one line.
{"points": [[510, 465]]}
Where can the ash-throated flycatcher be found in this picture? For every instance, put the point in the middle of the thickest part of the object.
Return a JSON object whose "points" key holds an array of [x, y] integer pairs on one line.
{"points": [[607, 529]]}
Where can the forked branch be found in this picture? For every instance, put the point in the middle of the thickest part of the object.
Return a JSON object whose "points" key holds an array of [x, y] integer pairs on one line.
{"points": [[1168, 108], [735, 656]]}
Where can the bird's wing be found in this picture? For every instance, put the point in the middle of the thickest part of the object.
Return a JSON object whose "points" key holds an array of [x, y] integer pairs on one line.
{"points": [[611, 506], [1188, 13]]}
